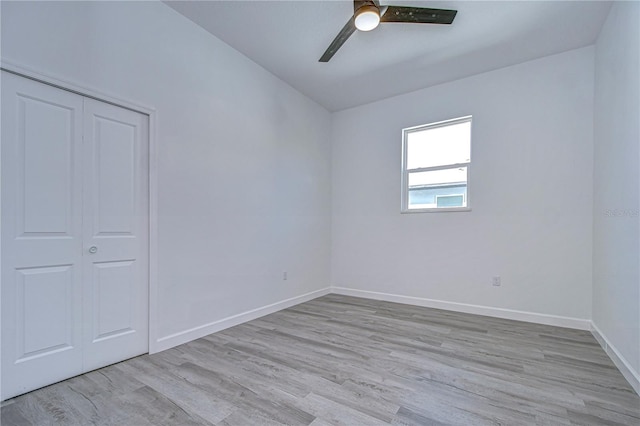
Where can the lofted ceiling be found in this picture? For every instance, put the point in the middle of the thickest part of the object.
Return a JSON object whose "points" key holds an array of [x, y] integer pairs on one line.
{"points": [[288, 37]]}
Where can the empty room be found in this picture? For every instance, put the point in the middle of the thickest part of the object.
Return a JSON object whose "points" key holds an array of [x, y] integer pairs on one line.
{"points": [[329, 212]]}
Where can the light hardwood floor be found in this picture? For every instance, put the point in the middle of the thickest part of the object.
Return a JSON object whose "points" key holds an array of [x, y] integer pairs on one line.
{"points": [[351, 361]]}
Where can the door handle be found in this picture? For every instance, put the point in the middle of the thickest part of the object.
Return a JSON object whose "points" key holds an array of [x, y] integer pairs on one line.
{"points": [[93, 249]]}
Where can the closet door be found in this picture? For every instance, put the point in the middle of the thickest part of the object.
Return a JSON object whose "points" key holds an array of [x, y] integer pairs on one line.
{"points": [[74, 234], [41, 234], [115, 234]]}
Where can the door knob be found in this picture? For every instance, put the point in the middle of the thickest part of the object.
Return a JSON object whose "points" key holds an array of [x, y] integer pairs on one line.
{"points": [[93, 249]]}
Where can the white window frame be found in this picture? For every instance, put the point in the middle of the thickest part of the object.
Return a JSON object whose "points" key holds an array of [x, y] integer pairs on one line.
{"points": [[404, 208]]}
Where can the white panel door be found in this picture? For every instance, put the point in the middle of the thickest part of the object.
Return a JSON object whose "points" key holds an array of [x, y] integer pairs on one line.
{"points": [[41, 234], [74, 234], [115, 234]]}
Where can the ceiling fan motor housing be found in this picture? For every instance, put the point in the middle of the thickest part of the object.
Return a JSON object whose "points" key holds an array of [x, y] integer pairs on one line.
{"points": [[357, 4]]}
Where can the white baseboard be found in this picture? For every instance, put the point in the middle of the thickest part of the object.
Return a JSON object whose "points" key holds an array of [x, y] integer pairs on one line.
{"points": [[559, 321], [176, 339], [629, 373]]}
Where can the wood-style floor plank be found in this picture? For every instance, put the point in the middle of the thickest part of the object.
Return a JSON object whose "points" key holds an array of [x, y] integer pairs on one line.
{"points": [[341, 360]]}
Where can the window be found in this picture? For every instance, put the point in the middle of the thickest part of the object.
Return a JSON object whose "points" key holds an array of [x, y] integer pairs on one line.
{"points": [[436, 159]]}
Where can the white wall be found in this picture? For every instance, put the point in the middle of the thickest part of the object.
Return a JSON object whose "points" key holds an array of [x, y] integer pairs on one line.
{"points": [[244, 160], [531, 193], [616, 225]]}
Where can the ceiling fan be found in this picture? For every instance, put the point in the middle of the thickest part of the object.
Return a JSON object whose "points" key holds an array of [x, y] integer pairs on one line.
{"points": [[367, 14]]}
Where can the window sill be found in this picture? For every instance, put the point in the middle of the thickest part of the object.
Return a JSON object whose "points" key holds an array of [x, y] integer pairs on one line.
{"points": [[437, 210]]}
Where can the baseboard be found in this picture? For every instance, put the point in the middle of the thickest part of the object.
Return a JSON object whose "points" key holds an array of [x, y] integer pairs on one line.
{"points": [[559, 321], [176, 339], [629, 373]]}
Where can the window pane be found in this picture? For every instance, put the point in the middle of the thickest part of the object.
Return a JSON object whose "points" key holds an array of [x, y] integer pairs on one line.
{"points": [[439, 146], [456, 176], [438, 189]]}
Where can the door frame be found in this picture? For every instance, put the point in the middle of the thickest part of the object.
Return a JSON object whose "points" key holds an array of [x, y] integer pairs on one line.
{"points": [[136, 106]]}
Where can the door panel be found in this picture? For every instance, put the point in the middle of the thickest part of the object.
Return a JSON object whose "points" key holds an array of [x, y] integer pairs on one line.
{"points": [[45, 167], [44, 314], [116, 202], [113, 296], [41, 234], [114, 197]]}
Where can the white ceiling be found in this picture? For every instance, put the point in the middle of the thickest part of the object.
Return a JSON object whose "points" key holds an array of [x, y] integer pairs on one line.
{"points": [[288, 37]]}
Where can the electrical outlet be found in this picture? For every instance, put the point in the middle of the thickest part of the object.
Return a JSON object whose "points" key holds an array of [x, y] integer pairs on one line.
{"points": [[496, 281], [284, 276]]}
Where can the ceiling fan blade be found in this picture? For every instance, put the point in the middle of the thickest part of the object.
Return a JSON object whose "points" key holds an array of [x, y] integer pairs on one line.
{"points": [[342, 36], [418, 15]]}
